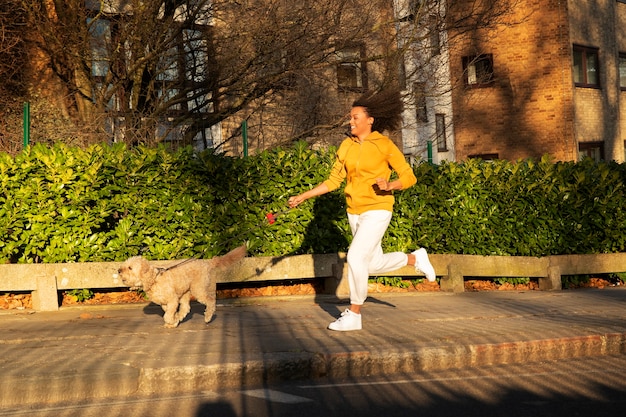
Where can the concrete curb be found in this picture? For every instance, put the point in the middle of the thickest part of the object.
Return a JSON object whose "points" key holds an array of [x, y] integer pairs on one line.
{"points": [[360, 364], [67, 386], [126, 380]]}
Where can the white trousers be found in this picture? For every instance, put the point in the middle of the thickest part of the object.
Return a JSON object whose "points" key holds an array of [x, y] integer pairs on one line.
{"points": [[365, 255]]}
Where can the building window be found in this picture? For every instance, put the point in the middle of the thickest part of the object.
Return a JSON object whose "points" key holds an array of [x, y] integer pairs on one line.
{"points": [[586, 67], [421, 111], [478, 69], [181, 70], [440, 129], [593, 150], [622, 70], [402, 76], [414, 10], [275, 70], [351, 69], [434, 35], [484, 156], [100, 37]]}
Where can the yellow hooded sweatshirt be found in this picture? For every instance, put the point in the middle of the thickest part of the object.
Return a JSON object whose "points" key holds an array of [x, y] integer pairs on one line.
{"points": [[360, 163]]}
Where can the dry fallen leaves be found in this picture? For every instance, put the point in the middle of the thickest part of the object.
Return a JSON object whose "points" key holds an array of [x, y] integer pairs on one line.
{"points": [[23, 301]]}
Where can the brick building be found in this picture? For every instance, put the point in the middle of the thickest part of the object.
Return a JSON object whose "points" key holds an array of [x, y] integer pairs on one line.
{"points": [[553, 82], [549, 77]]}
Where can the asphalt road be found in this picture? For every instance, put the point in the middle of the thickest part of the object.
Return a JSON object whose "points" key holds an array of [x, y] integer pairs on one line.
{"points": [[567, 388]]}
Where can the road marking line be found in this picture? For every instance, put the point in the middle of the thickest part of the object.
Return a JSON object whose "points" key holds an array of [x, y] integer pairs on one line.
{"points": [[463, 378], [276, 396], [104, 402]]}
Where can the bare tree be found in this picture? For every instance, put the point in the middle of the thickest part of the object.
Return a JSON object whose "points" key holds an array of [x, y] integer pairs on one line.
{"points": [[12, 57], [12, 71], [143, 71], [129, 65]]}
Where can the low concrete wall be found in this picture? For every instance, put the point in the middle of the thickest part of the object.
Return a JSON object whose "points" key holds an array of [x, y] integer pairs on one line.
{"points": [[46, 280]]}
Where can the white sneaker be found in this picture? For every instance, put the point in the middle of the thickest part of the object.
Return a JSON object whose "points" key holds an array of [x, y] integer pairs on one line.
{"points": [[348, 321], [422, 264]]}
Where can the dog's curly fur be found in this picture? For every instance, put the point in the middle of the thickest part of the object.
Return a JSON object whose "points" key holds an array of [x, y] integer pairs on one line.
{"points": [[173, 288]]}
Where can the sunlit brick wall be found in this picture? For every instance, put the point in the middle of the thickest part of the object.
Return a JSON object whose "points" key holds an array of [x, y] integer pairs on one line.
{"points": [[527, 110]]}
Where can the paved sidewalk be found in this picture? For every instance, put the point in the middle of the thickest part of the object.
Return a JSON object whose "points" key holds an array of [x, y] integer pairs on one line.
{"points": [[103, 351]]}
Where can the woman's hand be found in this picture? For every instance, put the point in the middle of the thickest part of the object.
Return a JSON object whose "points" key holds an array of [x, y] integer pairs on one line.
{"points": [[317, 191], [295, 200], [382, 184]]}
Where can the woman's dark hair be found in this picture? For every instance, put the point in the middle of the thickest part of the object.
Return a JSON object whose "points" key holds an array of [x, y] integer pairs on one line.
{"points": [[384, 106]]}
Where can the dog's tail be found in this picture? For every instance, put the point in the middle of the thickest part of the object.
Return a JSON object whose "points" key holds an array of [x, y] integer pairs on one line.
{"points": [[231, 257]]}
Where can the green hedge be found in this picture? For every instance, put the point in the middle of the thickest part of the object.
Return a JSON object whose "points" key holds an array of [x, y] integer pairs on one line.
{"points": [[64, 204], [525, 208]]}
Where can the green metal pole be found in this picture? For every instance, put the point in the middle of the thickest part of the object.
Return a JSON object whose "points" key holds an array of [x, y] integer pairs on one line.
{"points": [[26, 124], [244, 134], [429, 145]]}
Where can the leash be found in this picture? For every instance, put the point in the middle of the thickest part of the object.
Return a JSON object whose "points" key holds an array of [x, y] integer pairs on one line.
{"points": [[269, 217]]}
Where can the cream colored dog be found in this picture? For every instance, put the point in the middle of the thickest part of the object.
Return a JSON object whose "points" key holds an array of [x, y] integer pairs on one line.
{"points": [[172, 288]]}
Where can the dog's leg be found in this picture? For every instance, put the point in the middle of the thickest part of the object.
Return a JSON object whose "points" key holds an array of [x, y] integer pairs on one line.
{"points": [[210, 309], [207, 297], [170, 316], [209, 302], [184, 307]]}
